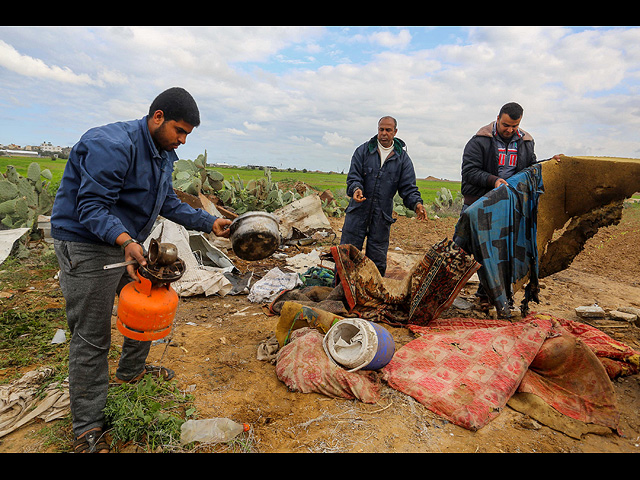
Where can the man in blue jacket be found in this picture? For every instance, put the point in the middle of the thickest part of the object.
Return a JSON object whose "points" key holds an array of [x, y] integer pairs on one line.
{"points": [[379, 169], [115, 184]]}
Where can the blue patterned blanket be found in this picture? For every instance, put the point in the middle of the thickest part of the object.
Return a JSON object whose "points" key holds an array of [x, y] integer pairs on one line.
{"points": [[499, 230]]}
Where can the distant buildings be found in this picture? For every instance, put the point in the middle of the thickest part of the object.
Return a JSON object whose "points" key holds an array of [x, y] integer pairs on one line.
{"points": [[45, 149]]}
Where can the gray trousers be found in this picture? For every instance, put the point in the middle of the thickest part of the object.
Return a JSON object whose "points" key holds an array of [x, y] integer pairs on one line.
{"points": [[89, 293]]}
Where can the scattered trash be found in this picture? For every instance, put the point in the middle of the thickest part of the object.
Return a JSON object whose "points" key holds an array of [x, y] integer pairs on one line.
{"points": [[304, 215], [59, 337], [211, 430], [275, 281], [208, 254], [239, 283], [303, 261]]}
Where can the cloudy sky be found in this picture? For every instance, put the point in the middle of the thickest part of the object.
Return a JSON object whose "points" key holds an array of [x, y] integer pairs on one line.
{"points": [[306, 97]]}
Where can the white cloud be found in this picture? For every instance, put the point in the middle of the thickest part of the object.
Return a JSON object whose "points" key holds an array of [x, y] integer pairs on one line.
{"points": [[385, 39], [334, 139], [28, 66], [579, 87], [234, 131], [253, 127], [389, 40]]}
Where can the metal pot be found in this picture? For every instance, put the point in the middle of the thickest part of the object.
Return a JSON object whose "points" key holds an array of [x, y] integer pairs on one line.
{"points": [[255, 235]]}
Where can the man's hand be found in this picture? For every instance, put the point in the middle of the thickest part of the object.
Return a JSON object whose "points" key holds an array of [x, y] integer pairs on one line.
{"points": [[221, 227], [500, 181], [134, 251], [358, 196], [421, 212]]}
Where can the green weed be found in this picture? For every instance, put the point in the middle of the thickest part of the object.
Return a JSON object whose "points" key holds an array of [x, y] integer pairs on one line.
{"points": [[148, 413]]}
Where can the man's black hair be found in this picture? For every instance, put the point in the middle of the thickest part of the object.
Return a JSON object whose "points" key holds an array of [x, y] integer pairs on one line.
{"points": [[176, 104], [512, 109]]}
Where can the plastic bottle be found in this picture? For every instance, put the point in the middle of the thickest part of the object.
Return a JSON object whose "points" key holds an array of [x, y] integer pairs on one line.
{"points": [[211, 430]]}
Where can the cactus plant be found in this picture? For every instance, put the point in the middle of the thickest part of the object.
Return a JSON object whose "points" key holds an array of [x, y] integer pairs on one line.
{"points": [[261, 194], [24, 198], [257, 194], [400, 209], [446, 204]]}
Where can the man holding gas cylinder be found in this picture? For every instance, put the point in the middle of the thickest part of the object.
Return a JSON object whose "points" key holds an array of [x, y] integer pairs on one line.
{"points": [[117, 181]]}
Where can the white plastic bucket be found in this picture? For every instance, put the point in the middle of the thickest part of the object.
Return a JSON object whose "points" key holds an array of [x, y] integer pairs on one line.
{"points": [[356, 344]]}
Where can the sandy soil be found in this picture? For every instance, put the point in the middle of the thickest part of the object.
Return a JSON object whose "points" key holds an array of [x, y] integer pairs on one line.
{"points": [[215, 341]]}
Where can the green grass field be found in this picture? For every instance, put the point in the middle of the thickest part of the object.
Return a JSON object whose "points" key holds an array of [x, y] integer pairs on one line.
{"points": [[335, 182], [318, 180]]}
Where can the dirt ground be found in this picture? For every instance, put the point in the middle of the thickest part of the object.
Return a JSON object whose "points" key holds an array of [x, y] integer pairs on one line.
{"points": [[214, 344]]}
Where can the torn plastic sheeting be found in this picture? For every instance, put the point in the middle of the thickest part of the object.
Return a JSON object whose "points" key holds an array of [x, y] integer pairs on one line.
{"points": [[7, 239], [209, 254], [275, 281]]}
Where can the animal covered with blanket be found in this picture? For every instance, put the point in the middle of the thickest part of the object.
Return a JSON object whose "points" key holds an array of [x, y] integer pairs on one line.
{"points": [[466, 370], [430, 286]]}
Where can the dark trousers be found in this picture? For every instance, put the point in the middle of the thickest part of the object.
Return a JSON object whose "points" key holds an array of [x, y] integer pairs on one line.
{"points": [[356, 228], [89, 293]]}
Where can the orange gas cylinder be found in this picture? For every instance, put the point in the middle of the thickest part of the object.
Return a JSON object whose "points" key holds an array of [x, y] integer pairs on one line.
{"points": [[147, 307], [146, 311]]}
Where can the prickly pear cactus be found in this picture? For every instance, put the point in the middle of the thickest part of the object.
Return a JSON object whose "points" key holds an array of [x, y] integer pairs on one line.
{"points": [[262, 194], [22, 199], [400, 209], [446, 204]]}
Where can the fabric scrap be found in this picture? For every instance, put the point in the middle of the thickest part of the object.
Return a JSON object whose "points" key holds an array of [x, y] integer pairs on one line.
{"points": [[318, 276], [22, 401], [534, 407], [330, 299], [568, 376], [572, 370]]}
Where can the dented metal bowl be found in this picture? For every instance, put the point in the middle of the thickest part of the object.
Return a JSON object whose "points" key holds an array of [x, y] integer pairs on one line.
{"points": [[255, 235]]}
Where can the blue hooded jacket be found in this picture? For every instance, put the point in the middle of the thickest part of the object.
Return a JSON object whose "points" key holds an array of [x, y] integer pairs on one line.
{"points": [[117, 181]]}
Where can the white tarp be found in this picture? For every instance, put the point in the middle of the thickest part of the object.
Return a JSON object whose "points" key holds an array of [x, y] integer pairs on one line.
{"points": [[7, 239], [23, 400]]}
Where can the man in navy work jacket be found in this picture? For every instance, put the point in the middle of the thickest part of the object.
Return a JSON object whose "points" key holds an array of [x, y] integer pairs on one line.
{"points": [[115, 184], [379, 169]]}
